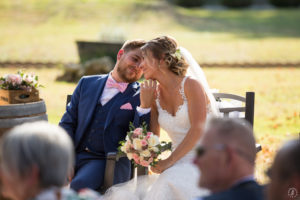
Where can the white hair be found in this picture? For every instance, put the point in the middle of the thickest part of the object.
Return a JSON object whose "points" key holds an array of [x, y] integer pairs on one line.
{"points": [[39, 144]]}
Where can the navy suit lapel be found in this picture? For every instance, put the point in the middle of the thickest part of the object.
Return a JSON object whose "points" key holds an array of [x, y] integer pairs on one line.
{"points": [[123, 98]]}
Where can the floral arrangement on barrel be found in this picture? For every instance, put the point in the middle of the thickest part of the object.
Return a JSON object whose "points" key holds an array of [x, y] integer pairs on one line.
{"points": [[19, 88], [142, 146]]}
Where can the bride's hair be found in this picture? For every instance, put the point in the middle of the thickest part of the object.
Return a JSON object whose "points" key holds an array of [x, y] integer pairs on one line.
{"points": [[165, 47]]}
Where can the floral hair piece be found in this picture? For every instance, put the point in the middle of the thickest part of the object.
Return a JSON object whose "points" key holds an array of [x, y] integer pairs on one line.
{"points": [[177, 54]]}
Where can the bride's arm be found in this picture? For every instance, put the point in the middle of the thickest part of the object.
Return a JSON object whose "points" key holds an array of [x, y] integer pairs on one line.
{"points": [[154, 125], [197, 115]]}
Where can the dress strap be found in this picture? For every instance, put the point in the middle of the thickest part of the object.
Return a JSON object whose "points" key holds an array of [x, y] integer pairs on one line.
{"points": [[182, 89], [157, 97]]}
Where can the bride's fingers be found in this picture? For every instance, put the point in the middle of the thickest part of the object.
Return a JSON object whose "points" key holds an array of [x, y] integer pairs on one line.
{"points": [[146, 84], [154, 84]]}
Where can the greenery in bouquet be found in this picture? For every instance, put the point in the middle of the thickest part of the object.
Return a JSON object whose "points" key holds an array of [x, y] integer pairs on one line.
{"points": [[19, 81], [143, 147]]}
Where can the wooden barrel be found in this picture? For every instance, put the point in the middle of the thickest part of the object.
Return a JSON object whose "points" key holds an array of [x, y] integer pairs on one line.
{"points": [[15, 114]]}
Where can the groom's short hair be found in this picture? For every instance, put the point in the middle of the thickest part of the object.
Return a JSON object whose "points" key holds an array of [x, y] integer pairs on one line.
{"points": [[133, 44]]}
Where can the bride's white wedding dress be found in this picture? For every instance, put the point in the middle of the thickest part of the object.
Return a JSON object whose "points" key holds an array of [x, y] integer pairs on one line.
{"points": [[179, 182]]}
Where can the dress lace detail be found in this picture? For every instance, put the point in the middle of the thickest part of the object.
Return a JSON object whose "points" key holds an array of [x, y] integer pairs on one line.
{"points": [[178, 182]]}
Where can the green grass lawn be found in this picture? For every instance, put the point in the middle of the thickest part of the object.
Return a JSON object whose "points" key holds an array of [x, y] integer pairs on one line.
{"points": [[277, 108], [47, 30]]}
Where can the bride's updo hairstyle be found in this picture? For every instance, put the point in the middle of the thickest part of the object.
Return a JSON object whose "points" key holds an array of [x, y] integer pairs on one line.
{"points": [[165, 47]]}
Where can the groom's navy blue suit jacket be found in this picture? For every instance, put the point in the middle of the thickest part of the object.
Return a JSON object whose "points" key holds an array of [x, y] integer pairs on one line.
{"points": [[80, 110]]}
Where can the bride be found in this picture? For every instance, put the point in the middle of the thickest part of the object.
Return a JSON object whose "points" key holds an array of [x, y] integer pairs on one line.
{"points": [[180, 105]]}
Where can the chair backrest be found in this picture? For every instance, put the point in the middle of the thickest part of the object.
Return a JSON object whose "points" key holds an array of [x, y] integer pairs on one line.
{"points": [[248, 107]]}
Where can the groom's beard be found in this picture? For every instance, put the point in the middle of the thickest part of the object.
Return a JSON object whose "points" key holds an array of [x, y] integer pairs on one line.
{"points": [[125, 71]]}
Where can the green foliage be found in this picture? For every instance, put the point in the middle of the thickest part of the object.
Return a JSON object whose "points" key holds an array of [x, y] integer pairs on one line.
{"points": [[285, 3], [189, 3], [237, 3]]}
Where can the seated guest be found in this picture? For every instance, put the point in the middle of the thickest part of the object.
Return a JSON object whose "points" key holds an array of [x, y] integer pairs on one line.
{"points": [[226, 158], [285, 173], [36, 159]]}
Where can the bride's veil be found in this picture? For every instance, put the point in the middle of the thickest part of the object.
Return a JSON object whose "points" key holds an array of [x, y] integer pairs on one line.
{"points": [[196, 72]]}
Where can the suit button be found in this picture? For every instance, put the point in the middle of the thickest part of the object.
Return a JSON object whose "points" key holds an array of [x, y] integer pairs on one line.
{"points": [[87, 149], [93, 130]]}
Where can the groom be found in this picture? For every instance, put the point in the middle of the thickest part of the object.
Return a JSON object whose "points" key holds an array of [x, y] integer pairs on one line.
{"points": [[98, 116]]}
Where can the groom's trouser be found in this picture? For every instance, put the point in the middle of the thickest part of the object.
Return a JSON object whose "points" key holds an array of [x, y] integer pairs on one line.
{"points": [[89, 172]]}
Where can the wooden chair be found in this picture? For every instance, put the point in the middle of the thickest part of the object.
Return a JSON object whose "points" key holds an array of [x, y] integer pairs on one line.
{"points": [[111, 159], [248, 107]]}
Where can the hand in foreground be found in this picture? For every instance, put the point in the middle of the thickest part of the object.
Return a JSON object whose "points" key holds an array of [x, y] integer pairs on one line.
{"points": [[148, 91], [161, 166]]}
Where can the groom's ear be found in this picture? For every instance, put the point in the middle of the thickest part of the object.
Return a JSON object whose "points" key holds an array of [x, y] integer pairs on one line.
{"points": [[120, 54]]}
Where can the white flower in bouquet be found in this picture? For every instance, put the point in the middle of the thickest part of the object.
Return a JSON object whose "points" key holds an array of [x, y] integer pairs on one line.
{"points": [[153, 141], [130, 156], [146, 153], [137, 144]]}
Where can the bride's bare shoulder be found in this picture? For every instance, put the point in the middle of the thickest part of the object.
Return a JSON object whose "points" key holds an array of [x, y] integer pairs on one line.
{"points": [[192, 85]]}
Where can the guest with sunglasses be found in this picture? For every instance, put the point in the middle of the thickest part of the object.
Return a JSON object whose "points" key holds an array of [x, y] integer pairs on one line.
{"points": [[226, 159]]}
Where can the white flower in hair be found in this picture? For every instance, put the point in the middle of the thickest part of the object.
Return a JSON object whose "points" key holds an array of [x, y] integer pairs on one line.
{"points": [[177, 54]]}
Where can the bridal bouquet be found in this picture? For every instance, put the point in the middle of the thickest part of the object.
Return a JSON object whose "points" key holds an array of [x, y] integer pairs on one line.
{"points": [[142, 146]]}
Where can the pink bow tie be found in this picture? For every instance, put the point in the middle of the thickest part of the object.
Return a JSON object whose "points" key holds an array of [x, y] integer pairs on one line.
{"points": [[113, 84]]}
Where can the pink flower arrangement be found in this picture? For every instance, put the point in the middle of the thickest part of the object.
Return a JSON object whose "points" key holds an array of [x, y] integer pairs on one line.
{"points": [[19, 81], [143, 147]]}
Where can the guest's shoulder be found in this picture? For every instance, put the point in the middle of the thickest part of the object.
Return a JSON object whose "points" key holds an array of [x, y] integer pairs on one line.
{"points": [[249, 190], [246, 191]]}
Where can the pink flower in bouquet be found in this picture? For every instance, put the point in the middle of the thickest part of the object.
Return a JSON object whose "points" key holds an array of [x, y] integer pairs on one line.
{"points": [[145, 163], [150, 160], [144, 143], [149, 134], [136, 158], [138, 131]]}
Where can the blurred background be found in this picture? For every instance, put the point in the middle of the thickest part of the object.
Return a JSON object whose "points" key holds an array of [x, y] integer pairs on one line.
{"points": [[242, 45]]}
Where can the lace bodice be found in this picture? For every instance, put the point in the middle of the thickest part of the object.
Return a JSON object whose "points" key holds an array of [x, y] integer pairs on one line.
{"points": [[176, 126]]}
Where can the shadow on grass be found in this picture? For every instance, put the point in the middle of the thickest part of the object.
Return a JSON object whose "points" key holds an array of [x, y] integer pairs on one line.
{"points": [[243, 23]]}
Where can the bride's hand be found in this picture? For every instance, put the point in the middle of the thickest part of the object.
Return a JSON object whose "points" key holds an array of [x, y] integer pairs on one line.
{"points": [[161, 166], [147, 95]]}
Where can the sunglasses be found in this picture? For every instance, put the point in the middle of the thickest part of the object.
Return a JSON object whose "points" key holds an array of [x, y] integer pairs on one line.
{"points": [[201, 150]]}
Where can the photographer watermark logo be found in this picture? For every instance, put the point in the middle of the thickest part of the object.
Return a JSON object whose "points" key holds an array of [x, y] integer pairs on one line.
{"points": [[292, 192]]}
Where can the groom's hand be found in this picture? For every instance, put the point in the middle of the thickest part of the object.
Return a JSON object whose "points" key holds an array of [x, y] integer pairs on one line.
{"points": [[147, 95]]}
